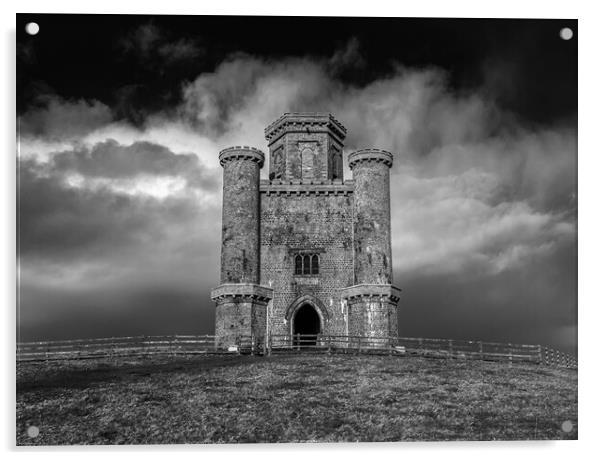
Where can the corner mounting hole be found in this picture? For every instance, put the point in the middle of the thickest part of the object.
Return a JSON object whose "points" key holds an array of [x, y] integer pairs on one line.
{"points": [[566, 33], [32, 28], [33, 431]]}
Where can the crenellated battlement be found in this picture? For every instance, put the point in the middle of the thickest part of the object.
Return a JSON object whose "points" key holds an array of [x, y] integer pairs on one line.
{"points": [[244, 292], [306, 188], [241, 152], [301, 121], [370, 155], [371, 293]]}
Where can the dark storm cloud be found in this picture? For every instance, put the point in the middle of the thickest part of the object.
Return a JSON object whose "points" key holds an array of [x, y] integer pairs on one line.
{"points": [[347, 59], [163, 307], [26, 53], [534, 303], [151, 44], [62, 222], [54, 118], [93, 260], [109, 159], [142, 40], [178, 51]]}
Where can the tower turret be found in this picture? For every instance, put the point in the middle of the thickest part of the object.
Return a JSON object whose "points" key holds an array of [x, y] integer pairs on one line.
{"points": [[240, 214], [306, 147], [241, 301], [372, 216], [372, 299]]}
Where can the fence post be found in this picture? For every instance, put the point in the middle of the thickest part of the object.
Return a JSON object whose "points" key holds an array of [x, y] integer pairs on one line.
{"points": [[546, 357], [450, 348], [481, 350], [509, 354], [539, 355]]}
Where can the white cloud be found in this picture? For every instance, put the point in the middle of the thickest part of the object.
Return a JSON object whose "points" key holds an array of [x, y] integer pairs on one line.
{"points": [[146, 185], [453, 224]]}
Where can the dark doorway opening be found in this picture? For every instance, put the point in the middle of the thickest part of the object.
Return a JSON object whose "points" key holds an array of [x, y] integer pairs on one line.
{"points": [[306, 326]]}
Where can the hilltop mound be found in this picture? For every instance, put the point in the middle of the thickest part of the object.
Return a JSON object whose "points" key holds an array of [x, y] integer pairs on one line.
{"points": [[292, 398]]}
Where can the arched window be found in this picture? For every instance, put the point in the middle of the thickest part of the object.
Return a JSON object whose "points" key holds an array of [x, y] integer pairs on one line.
{"points": [[337, 164], [298, 265], [315, 264], [307, 164], [278, 166], [306, 265]]}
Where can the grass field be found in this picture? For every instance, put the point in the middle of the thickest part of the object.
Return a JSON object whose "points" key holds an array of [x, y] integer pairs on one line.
{"points": [[292, 398]]}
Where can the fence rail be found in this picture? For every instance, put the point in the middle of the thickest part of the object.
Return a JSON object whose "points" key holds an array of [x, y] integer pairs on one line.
{"points": [[174, 345]]}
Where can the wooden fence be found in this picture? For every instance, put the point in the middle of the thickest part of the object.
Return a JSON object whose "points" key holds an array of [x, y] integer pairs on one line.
{"points": [[116, 346], [175, 345]]}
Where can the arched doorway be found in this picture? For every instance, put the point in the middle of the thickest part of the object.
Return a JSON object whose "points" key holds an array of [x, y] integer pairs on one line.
{"points": [[306, 326]]}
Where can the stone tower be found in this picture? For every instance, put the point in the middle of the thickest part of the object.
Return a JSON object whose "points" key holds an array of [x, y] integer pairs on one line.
{"points": [[305, 252]]}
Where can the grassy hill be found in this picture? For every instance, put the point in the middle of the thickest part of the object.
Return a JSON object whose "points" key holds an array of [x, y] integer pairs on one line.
{"points": [[292, 398]]}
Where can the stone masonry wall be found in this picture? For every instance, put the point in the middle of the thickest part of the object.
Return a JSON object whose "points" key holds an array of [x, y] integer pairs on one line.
{"points": [[237, 317], [373, 318], [293, 145], [305, 218]]}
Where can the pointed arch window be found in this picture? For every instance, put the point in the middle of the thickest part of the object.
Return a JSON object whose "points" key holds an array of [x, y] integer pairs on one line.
{"points": [[315, 264], [298, 265], [306, 265]]}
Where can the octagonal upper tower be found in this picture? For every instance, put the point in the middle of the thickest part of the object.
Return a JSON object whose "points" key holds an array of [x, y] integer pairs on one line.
{"points": [[306, 147]]}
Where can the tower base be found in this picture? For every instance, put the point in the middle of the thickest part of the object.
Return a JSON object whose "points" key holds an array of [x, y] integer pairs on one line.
{"points": [[240, 313], [372, 310]]}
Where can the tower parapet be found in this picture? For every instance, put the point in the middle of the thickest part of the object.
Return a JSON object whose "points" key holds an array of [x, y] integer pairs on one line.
{"points": [[241, 153]]}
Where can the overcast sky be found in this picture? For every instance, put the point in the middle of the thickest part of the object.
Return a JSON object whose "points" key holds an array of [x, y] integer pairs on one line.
{"points": [[120, 187]]}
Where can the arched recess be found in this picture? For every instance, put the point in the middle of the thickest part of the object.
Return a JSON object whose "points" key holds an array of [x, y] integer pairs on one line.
{"points": [[314, 302], [307, 163]]}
